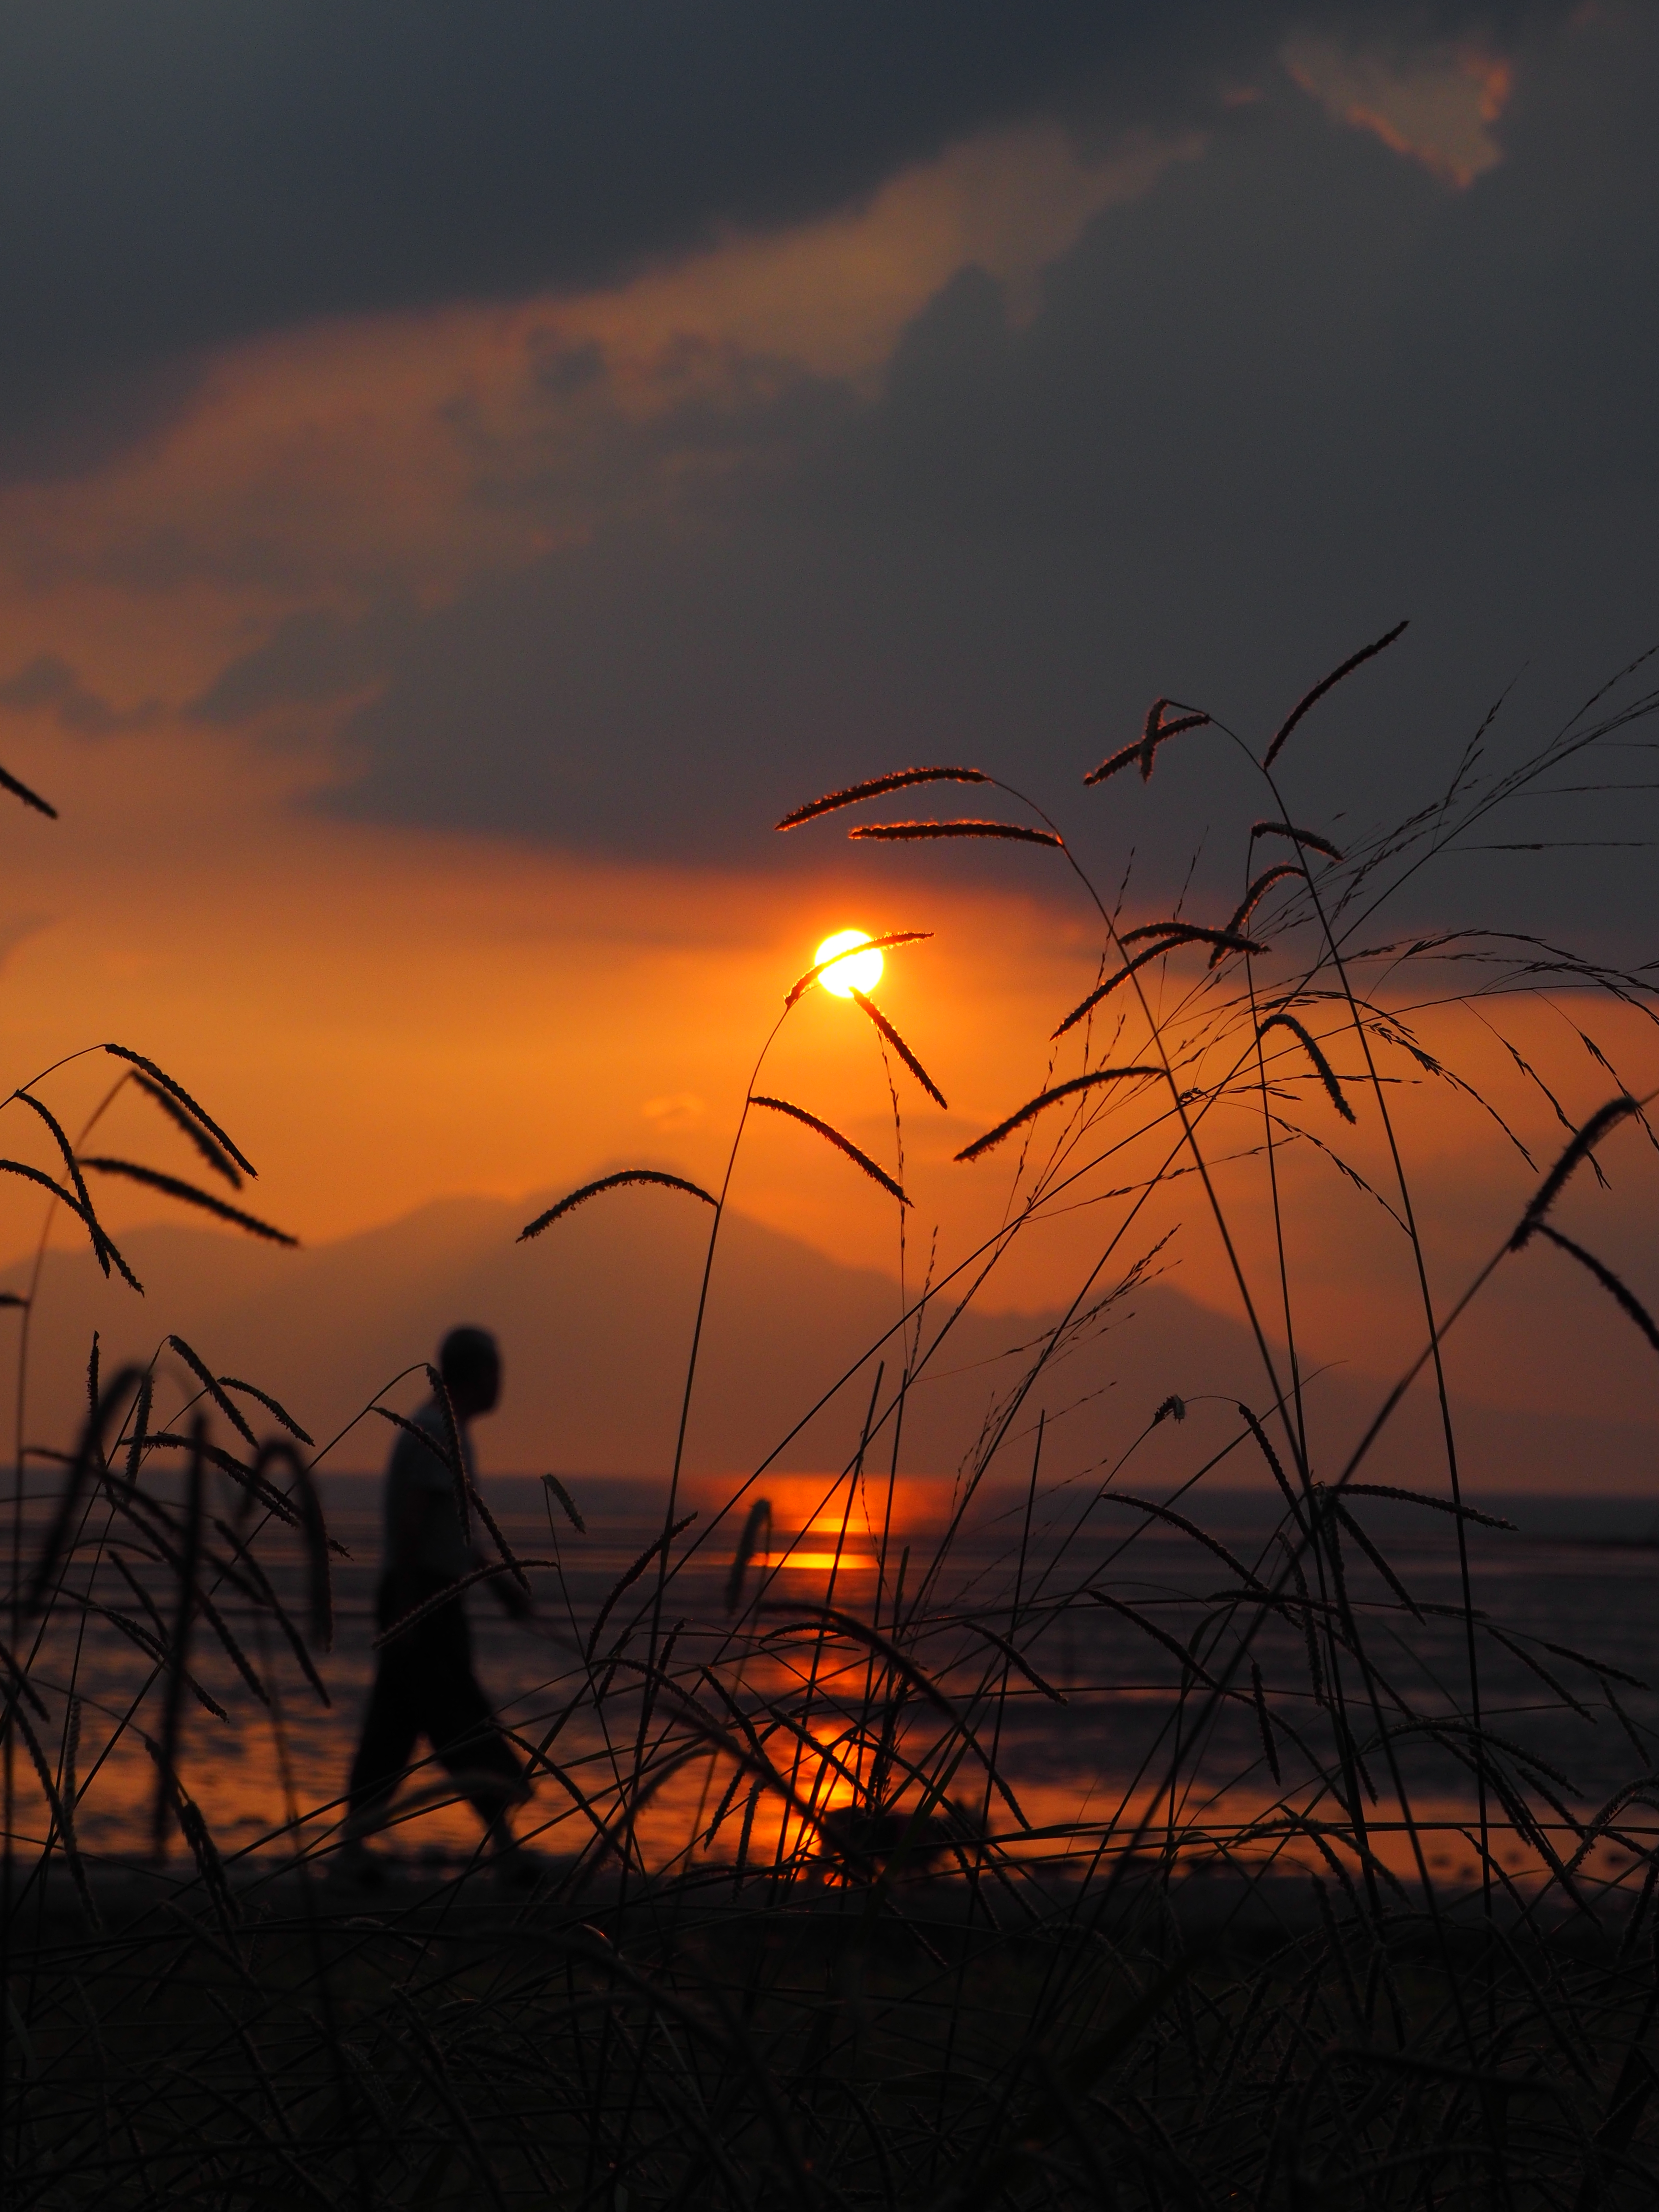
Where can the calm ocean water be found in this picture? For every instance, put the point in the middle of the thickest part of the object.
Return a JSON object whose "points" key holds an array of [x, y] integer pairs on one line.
{"points": [[1579, 1575]]}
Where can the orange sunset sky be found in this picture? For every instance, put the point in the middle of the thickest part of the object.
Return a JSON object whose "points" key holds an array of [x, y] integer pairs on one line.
{"points": [[417, 671]]}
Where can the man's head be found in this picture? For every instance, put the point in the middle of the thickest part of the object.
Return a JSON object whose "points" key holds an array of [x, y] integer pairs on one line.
{"points": [[470, 1364]]}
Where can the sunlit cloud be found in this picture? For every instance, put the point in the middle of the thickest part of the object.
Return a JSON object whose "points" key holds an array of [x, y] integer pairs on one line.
{"points": [[1437, 105], [680, 1110], [355, 471], [833, 295]]}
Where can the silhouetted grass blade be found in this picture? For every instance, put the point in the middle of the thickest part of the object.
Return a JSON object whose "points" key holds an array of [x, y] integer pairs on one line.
{"points": [[1620, 1292], [567, 1502], [1311, 698], [1185, 933], [1376, 1558], [199, 1368], [209, 1866], [21, 1686], [488, 1573], [179, 1643], [253, 1390], [877, 787], [1535, 1666], [901, 833], [320, 1588], [263, 1492], [1153, 952], [1167, 1513], [60, 1813], [138, 1431], [900, 1049], [87, 1213], [870, 945], [262, 1590], [189, 1195], [456, 1452], [88, 1459], [439, 1450], [446, 1455], [1309, 838], [9, 783], [509, 1559], [1141, 751], [1583, 1144], [757, 1534], [1045, 1099], [613, 1183], [1263, 884], [1418, 1498], [1187, 1662], [1594, 1666], [833, 1136], [208, 1147], [632, 1576], [178, 1090], [1269, 1750], [1323, 1067], [101, 1243], [1018, 1659]]}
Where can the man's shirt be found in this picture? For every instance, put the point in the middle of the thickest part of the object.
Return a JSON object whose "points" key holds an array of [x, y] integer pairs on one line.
{"points": [[443, 1553]]}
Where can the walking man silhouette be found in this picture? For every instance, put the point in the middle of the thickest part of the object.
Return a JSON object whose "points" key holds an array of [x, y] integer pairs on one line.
{"points": [[424, 1684]]}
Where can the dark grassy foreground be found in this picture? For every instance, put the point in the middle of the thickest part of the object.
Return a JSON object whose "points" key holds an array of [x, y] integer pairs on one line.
{"points": [[687, 2046], [857, 1973]]}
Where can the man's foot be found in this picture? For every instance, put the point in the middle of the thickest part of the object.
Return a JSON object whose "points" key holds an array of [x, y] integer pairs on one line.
{"points": [[363, 1868]]}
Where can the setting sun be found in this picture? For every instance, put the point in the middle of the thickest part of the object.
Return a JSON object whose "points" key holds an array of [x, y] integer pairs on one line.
{"points": [[860, 973]]}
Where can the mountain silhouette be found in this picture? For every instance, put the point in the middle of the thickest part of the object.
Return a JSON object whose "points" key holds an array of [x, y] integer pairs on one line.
{"points": [[595, 1319]]}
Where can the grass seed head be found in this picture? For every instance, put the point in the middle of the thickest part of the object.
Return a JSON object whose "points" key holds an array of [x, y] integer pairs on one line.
{"points": [[1325, 684], [576, 1198], [900, 780], [901, 833], [861, 1159]]}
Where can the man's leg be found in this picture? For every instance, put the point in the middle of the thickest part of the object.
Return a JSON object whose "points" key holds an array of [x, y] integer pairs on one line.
{"points": [[391, 1725], [463, 1732]]}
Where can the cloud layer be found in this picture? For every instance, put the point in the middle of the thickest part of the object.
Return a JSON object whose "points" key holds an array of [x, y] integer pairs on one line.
{"points": [[1291, 384], [183, 174], [909, 384]]}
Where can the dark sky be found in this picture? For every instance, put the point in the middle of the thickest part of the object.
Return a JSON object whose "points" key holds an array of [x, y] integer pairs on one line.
{"points": [[183, 173], [1299, 387]]}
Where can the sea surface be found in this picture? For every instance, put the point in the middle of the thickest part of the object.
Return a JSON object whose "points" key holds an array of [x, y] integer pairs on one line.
{"points": [[1098, 1730]]}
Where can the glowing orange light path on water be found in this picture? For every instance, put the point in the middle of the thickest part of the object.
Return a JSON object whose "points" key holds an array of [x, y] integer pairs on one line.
{"points": [[820, 1561]]}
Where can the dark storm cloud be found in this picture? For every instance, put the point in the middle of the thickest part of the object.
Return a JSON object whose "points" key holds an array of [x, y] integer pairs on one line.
{"points": [[1299, 389], [47, 684], [186, 171]]}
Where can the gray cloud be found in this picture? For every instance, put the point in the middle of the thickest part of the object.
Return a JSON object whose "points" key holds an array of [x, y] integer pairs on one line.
{"points": [[311, 656], [47, 684], [175, 175], [1299, 389]]}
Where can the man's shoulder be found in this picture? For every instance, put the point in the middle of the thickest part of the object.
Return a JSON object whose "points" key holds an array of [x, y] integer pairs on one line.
{"points": [[414, 1460]]}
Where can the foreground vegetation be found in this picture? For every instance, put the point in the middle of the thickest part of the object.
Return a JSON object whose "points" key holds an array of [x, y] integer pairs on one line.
{"points": [[799, 1939]]}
